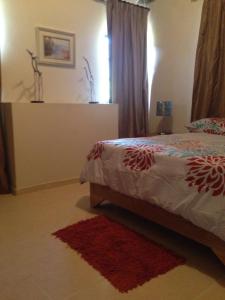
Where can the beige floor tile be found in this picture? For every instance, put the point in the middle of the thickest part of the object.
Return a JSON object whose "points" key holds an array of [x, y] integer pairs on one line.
{"points": [[66, 275], [35, 265], [214, 292], [23, 290]]}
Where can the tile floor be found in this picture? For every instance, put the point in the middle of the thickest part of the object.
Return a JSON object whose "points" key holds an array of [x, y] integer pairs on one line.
{"points": [[34, 265]]}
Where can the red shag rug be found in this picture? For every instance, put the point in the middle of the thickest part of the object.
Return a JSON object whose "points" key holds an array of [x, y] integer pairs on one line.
{"points": [[124, 257]]}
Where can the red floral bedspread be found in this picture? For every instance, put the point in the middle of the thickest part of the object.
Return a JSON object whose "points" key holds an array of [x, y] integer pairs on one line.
{"points": [[183, 173]]}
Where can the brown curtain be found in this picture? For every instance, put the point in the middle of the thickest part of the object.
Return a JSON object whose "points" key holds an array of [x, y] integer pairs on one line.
{"points": [[209, 81], [3, 178], [127, 30]]}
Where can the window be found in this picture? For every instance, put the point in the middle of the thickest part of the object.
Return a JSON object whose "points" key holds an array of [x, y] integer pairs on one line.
{"points": [[103, 84], [2, 27], [151, 56]]}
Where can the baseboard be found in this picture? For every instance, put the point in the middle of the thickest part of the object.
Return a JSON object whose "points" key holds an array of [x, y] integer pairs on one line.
{"points": [[44, 186]]}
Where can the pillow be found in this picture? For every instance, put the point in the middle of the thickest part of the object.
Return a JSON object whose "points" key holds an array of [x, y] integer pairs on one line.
{"points": [[208, 125]]}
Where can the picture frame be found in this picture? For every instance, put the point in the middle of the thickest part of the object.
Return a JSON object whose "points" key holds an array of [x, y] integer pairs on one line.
{"points": [[55, 47]]}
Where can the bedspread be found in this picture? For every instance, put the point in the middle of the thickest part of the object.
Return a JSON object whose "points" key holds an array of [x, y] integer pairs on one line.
{"points": [[182, 173]]}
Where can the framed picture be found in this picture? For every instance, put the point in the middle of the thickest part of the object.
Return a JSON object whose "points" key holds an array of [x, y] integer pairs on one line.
{"points": [[56, 48]]}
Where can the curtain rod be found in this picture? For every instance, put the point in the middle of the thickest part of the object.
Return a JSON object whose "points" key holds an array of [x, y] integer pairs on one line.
{"points": [[146, 6], [103, 1], [146, 3], [131, 3]]}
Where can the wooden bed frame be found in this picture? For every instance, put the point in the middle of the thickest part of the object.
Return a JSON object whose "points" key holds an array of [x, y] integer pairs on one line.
{"points": [[99, 193]]}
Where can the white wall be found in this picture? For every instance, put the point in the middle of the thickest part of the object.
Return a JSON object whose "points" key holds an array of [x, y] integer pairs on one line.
{"points": [[51, 141], [176, 27], [83, 17]]}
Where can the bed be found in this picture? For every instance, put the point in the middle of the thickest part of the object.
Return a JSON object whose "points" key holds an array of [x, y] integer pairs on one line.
{"points": [[175, 180]]}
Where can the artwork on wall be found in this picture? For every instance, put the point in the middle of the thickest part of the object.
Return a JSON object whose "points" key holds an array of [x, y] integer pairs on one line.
{"points": [[56, 48]]}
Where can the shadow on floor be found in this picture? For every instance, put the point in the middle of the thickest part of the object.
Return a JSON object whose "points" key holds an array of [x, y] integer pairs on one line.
{"points": [[197, 256]]}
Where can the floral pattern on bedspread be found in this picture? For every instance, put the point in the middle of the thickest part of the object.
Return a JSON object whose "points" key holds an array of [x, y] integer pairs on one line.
{"points": [[207, 173], [140, 157], [187, 148], [96, 152], [182, 173]]}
